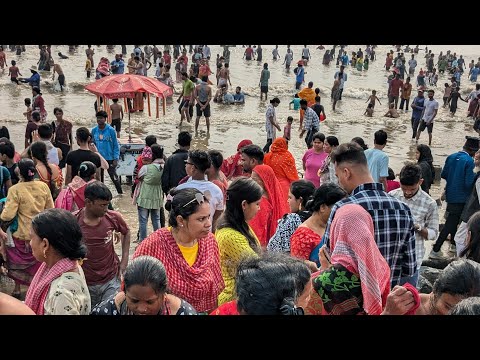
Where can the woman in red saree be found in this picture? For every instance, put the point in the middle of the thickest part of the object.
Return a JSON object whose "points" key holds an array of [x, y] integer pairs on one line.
{"points": [[72, 197], [356, 280], [283, 164], [272, 206], [188, 250], [231, 166]]}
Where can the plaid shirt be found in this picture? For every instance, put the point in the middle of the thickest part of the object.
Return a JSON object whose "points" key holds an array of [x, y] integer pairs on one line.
{"points": [[310, 119], [425, 213], [393, 224]]}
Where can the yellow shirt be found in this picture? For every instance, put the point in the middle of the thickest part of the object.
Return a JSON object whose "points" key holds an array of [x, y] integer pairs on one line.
{"points": [[189, 253], [233, 247], [26, 199]]}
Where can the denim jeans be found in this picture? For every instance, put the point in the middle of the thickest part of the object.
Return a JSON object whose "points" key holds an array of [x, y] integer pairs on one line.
{"points": [[102, 292], [143, 221], [412, 280]]}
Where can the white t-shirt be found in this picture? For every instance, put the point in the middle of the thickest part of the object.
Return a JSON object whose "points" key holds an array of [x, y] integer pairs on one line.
{"points": [[216, 195], [430, 107]]}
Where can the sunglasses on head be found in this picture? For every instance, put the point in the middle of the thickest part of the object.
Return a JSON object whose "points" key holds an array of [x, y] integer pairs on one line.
{"points": [[200, 198]]}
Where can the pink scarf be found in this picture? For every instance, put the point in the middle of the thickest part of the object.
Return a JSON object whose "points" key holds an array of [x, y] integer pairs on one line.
{"points": [[353, 246], [38, 290]]}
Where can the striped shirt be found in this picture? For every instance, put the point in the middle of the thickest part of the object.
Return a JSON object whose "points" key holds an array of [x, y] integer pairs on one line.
{"points": [[425, 213], [310, 119], [394, 228]]}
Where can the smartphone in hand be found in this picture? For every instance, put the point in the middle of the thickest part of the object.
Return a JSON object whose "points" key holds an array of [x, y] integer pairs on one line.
{"points": [[326, 252]]}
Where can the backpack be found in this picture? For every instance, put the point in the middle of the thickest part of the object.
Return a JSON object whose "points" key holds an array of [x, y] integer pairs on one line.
{"points": [[295, 71]]}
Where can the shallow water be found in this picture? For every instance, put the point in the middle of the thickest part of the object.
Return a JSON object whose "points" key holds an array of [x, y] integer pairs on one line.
{"points": [[230, 124]]}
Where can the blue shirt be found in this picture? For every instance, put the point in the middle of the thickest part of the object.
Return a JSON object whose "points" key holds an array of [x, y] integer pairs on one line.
{"points": [[239, 97], [300, 74], [106, 142], [228, 98], [417, 111], [377, 163], [33, 80], [118, 67], [458, 172]]}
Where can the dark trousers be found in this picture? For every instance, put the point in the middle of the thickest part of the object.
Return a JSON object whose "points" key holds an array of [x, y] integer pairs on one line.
{"points": [[451, 224], [341, 92], [415, 123], [112, 171], [65, 150], [309, 137], [61, 81], [407, 101], [266, 148]]}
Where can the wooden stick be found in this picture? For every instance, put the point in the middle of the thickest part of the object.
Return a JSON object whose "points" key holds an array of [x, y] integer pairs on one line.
{"points": [[125, 105], [164, 106], [148, 101], [157, 115]]}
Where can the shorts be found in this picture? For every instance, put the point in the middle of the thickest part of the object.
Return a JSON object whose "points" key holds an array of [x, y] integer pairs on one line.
{"points": [[15, 80], [61, 80], [117, 124], [297, 85], [305, 58], [264, 89], [424, 125], [184, 104], [205, 112]]}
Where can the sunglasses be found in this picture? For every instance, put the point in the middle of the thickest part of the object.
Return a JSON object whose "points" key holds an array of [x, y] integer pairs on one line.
{"points": [[200, 198], [189, 163]]}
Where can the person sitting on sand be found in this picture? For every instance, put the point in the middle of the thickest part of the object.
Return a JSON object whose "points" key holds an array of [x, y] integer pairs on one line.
{"points": [[392, 112]]}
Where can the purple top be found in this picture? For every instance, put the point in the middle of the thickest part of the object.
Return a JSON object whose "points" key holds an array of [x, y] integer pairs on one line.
{"points": [[313, 162]]}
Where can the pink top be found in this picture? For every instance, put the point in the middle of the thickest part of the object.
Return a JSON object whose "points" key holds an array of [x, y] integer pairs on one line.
{"points": [[313, 162]]}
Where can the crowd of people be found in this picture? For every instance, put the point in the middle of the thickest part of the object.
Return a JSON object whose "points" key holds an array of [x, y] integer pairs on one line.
{"points": [[246, 234]]}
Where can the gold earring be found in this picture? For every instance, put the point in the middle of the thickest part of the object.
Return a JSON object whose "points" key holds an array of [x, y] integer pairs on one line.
{"points": [[45, 253]]}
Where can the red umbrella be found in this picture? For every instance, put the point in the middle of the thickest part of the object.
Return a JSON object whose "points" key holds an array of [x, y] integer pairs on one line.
{"points": [[127, 85]]}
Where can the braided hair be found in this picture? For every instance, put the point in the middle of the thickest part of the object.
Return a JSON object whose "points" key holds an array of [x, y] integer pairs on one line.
{"points": [[38, 150]]}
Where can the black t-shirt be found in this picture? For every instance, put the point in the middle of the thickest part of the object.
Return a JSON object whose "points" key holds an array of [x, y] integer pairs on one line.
{"points": [[318, 109], [76, 157], [15, 179]]}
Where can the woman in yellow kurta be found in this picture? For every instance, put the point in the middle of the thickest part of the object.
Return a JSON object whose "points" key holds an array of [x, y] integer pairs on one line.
{"points": [[25, 200], [236, 239]]}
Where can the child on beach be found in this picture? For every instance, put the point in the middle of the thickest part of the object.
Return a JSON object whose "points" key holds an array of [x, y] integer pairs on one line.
{"points": [[296, 103], [369, 110], [446, 94], [392, 112], [371, 99], [288, 128], [88, 67], [117, 116], [28, 113], [13, 72]]}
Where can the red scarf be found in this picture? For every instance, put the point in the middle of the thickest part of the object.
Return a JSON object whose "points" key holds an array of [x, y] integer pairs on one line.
{"points": [[229, 308], [230, 166], [353, 246], [275, 197], [199, 284], [283, 164], [40, 286]]}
